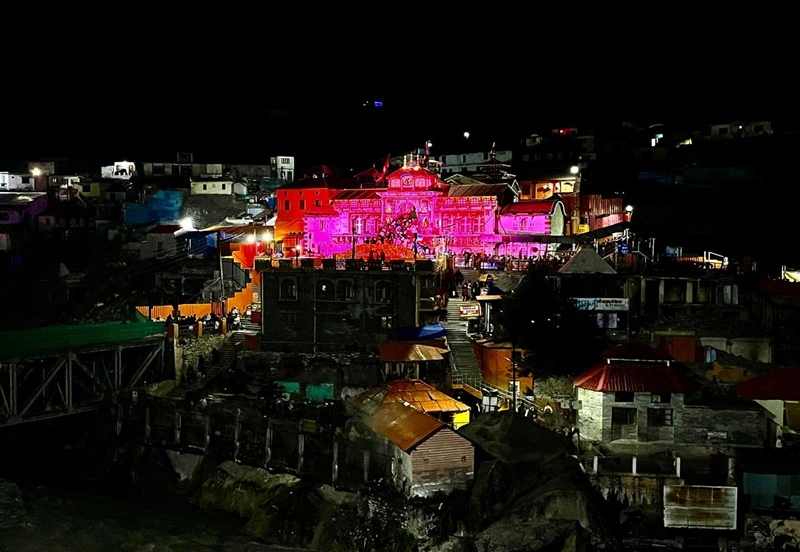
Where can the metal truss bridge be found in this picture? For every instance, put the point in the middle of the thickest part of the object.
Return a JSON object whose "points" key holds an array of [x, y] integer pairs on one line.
{"points": [[55, 384]]}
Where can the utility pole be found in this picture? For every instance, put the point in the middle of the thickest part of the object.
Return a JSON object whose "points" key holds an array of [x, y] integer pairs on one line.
{"points": [[221, 278], [513, 378]]}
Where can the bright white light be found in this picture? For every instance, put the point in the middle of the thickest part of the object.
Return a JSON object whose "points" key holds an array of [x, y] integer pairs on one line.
{"points": [[251, 238], [629, 208], [187, 224], [466, 134], [574, 169], [266, 238], [36, 171]]}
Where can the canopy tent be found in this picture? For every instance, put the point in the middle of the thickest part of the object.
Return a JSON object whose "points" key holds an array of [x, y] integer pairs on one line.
{"points": [[423, 333]]}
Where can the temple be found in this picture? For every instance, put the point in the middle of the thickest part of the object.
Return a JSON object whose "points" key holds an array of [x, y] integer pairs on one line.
{"points": [[411, 212]]}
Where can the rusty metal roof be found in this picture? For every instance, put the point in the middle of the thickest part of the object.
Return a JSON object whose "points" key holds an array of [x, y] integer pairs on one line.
{"points": [[633, 377], [403, 351], [477, 190], [402, 424], [782, 384], [636, 351], [416, 393], [365, 193]]}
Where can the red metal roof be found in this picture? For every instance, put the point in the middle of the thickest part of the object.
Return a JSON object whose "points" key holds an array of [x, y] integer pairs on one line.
{"points": [[782, 385], [368, 193], [632, 377], [636, 351], [165, 229], [321, 210], [531, 207]]}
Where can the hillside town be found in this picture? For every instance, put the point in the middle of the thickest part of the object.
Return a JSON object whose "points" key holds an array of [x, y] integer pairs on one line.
{"points": [[569, 342]]}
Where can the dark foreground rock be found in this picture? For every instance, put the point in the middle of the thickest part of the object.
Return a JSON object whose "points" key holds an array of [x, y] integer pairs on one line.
{"points": [[12, 506], [530, 494]]}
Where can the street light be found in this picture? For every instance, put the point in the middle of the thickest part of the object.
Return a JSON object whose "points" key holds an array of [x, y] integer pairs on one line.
{"points": [[36, 172], [297, 254], [574, 169]]}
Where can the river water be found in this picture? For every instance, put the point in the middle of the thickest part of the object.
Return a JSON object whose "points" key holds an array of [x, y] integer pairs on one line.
{"points": [[99, 517]]}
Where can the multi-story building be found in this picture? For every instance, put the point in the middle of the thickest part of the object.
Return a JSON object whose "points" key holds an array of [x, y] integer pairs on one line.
{"points": [[342, 308]]}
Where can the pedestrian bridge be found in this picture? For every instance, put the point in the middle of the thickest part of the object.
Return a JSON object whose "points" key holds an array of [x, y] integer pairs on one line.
{"points": [[56, 371]]}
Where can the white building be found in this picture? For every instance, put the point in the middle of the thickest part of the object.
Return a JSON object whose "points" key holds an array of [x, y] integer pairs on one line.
{"points": [[284, 167], [123, 170], [217, 187], [10, 182], [740, 129]]}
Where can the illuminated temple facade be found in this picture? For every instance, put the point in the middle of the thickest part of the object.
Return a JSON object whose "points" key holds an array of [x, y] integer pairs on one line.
{"points": [[412, 210]]}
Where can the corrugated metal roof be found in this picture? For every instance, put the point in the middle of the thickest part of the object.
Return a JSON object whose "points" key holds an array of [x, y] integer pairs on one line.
{"points": [[165, 229], [417, 393], [402, 351], [402, 424], [472, 190], [782, 385], [636, 351], [635, 377], [700, 507], [531, 206], [367, 193]]}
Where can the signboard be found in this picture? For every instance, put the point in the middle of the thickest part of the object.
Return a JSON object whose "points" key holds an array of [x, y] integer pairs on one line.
{"points": [[623, 249], [700, 507], [601, 303], [469, 310]]}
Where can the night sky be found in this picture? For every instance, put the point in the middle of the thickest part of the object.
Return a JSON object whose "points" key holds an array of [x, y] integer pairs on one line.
{"points": [[305, 99]]}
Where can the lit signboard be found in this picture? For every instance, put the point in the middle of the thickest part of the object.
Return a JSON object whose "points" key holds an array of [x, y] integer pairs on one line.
{"points": [[601, 304]]}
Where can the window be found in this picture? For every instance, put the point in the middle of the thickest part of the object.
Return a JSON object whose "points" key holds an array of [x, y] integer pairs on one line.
{"points": [[161, 246], [317, 203], [288, 320], [287, 205], [623, 416], [302, 204], [223, 186], [205, 186], [386, 322], [485, 155], [383, 292], [623, 396], [285, 160], [660, 398], [659, 417], [324, 290], [288, 289], [345, 291]]}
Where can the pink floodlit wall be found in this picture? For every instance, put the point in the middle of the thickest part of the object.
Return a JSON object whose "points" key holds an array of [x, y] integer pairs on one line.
{"points": [[524, 224]]}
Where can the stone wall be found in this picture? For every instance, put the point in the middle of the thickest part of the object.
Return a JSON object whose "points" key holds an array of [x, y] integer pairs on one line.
{"points": [[590, 415], [642, 402], [722, 426]]}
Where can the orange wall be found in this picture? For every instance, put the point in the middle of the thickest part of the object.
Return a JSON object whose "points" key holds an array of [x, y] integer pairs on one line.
{"points": [[292, 220], [198, 309], [496, 368]]}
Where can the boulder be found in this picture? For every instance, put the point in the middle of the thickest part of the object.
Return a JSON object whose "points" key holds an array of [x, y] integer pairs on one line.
{"points": [[530, 481]]}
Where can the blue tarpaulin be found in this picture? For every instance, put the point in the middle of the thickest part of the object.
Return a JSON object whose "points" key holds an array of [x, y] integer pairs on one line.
{"points": [[423, 333]]}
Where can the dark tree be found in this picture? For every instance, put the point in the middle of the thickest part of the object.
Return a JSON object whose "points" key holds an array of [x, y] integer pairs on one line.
{"points": [[559, 339]]}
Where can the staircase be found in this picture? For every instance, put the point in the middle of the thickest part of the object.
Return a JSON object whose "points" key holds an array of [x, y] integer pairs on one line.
{"points": [[463, 362], [247, 324], [228, 354]]}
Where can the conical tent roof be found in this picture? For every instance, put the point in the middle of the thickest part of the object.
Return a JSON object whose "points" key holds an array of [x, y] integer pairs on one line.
{"points": [[587, 261]]}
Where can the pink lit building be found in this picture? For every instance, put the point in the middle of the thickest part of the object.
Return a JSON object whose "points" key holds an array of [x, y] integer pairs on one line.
{"points": [[415, 211]]}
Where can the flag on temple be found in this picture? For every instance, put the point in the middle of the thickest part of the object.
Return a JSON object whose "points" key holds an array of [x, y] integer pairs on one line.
{"points": [[385, 169]]}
